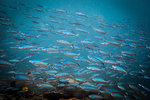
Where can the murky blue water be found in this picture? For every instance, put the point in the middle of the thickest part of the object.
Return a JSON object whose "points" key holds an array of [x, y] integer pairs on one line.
{"points": [[87, 39]]}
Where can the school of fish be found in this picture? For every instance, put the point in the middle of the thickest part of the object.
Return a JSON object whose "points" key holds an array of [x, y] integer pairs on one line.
{"points": [[53, 48]]}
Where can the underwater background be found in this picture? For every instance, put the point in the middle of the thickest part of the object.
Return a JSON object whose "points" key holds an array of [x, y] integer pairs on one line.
{"points": [[87, 49]]}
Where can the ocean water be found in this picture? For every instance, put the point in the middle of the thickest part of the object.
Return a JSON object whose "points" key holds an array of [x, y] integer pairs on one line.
{"points": [[98, 46]]}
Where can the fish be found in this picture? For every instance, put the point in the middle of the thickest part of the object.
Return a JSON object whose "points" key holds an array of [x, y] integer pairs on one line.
{"points": [[68, 33], [80, 59], [51, 72], [45, 85], [39, 10], [31, 17], [19, 38], [21, 77], [64, 42], [60, 10], [69, 63], [118, 38], [127, 57], [15, 8], [53, 21], [99, 30], [94, 68], [80, 80], [117, 95], [128, 53], [105, 43], [29, 35], [113, 90], [81, 30], [121, 87], [87, 42], [60, 75], [14, 60], [114, 43], [70, 54], [41, 6], [77, 24], [50, 49], [105, 53], [96, 59], [111, 62], [81, 14], [110, 26], [39, 63], [4, 63], [87, 87], [144, 87], [99, 80], [118, 68], [100, 38], [25, 47], [36, 22]]}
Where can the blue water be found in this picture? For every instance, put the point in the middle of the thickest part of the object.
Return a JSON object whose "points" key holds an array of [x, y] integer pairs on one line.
{"points": [[126, 19]]}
